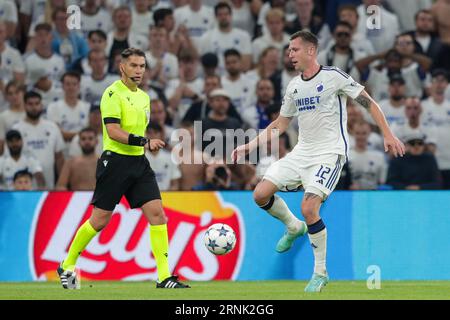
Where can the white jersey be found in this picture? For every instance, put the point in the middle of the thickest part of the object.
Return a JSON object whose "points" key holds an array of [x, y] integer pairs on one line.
{"points": [[439, 117], [141, 22], [404, 131], [70, 119], [92, 90], [196, 22], [54, 67], [11, 62], [374, 142], [393, 114], [368, 168], [196, 86], [9, 166], [99, 21], [319, 104], [218, 42], [8, 119], [241, 91], [42, 141], [169, 64], [165, 169], [265, 41]]}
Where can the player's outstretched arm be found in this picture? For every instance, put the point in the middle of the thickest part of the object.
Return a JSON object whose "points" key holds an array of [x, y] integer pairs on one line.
{"points": [[391, 142], [275, 128]]}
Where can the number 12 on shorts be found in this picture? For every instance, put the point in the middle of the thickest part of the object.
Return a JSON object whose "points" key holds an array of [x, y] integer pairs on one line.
{"points": [[322, 174]]}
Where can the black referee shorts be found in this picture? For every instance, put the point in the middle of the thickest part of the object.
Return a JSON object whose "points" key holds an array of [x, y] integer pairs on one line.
{"points": [[119, 175]]}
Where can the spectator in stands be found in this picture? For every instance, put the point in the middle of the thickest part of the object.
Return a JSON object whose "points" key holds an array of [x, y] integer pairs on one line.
{"points": [[377, 77], [163, 64], [381, 36], [42, 138], [306, 18], [185, 90], [8, 16], [167, 172], [93, 84], [44, 67], [16, 160], [341, 54], [196, 17], [95, 123], [14, 95], [199, 110], [141, 17], [359, 42], [368, 167], [23, 181], [239, 86], [281, 78], [29, 13], [217, 177], [256, 115], [284, 146], [275, 37], [224, 37], [394, 107], [158, 114], [210, 63], [260, 10], [355, 115], [94, 17], [268, 64], [441, 12], [425, 36], [218, 121], [189, 157], [243, 15], [437, 112], [406, 11], [70, 113], [121, 37], [96, 42], [65, 42], [414, 124], [78, 173], [416, 170], [12, 66]]}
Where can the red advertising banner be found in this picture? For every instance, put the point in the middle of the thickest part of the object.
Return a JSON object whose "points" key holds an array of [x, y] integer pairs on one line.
{"points": [[122, 250]]}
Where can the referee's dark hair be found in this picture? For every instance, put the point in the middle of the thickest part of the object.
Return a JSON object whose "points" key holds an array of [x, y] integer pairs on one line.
{"points": [[306, 36], [31, 94], [132, 52], [154, 126]]}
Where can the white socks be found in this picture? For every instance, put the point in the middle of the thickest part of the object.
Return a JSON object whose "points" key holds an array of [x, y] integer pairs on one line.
{"points": [[280, 210], [319, 244]]}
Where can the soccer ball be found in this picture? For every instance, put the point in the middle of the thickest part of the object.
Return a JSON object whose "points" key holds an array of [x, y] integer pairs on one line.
{"points": [[220, 239]]}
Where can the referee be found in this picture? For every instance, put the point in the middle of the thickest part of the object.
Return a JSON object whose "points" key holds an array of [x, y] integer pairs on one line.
{"points": [[124, 170]]}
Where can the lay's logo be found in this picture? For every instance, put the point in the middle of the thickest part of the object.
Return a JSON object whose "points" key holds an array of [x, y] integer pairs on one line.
{"points": [[122, 250]]}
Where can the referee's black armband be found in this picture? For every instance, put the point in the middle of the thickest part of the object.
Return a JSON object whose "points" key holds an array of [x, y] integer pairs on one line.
{"points": [[111, 120], [134, 140]]}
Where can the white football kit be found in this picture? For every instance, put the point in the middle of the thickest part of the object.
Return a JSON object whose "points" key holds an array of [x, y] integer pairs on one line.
{"points": [[319, 103]]}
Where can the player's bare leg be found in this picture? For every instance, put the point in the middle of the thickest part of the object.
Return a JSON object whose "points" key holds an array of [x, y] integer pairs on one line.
{"points": [[154, 212], [318, 237], [66, 270], [265, 197]]}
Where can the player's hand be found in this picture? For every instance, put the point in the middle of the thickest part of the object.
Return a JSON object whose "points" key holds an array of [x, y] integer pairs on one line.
{"points": [[156, 144], [240, 152], [394, 145]]}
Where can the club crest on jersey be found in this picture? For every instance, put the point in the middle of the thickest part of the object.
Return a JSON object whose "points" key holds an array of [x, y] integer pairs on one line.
{"points": [[319, 87]]}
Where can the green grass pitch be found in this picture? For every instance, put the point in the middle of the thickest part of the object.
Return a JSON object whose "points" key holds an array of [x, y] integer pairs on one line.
{"points": [[228, 290]]}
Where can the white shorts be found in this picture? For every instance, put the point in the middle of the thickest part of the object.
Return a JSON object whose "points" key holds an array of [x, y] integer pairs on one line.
{"points": [[317, 174]]}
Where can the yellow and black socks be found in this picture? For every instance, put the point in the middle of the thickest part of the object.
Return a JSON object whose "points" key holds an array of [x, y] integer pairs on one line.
{"points": [[84, 235], [159, 240]]}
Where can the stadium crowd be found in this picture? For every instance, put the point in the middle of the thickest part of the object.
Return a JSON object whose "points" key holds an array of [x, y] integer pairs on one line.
{"points": [[225, 64]]}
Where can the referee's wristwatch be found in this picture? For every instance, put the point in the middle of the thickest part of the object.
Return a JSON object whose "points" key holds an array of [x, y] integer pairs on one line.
{"points": [[134, 140]]}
